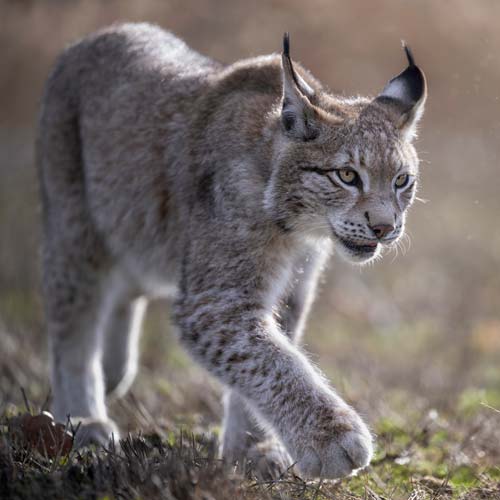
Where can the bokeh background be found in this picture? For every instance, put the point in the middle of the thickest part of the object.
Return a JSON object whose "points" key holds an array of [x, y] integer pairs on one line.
{"points": [[418, 333]]}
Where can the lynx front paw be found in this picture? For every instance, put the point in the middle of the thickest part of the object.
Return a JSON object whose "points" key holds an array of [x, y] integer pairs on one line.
{"points": [[346, 447], [93, 431]]}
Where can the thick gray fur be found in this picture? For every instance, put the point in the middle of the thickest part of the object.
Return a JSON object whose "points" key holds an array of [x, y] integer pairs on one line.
{"points": [[164, 173]]}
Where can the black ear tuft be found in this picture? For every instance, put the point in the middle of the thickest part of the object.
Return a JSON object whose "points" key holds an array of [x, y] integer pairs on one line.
{"points": [[286, 44], [409, 53]]}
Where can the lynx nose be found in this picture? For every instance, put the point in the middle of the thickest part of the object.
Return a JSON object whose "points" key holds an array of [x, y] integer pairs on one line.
{"points": [[381, 230]]}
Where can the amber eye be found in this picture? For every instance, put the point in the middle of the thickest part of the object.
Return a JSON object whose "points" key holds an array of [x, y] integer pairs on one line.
{"points": [[402, 180], [347, 176]]}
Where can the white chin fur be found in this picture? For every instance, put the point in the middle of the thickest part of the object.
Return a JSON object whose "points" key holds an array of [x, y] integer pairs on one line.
{"points": [[354, 257]]}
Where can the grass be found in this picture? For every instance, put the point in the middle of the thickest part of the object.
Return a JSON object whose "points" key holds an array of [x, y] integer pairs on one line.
{"points": [[171, 450], [426, 459]]}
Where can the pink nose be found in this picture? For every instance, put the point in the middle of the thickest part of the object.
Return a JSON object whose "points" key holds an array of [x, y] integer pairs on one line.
{"points": [[381, 230]]}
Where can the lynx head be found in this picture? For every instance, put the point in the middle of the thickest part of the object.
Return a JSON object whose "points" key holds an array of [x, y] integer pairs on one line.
{"points": [[345, 168]]}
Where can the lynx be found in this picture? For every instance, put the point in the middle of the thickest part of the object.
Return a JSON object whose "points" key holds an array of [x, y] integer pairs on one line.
{"points": [[225, 188]]}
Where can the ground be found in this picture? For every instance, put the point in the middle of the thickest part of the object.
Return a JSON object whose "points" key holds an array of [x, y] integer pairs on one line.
{"points": [[173, 415]]}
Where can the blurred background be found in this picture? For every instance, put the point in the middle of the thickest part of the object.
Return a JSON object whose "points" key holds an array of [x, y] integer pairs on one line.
{"points": [[415, 334]]}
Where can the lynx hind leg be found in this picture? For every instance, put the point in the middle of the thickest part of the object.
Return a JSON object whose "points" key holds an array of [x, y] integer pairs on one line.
{"points": [[121, 345], [73, 307]]}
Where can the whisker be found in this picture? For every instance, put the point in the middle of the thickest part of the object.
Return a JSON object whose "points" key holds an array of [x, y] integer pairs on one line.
{"points": [[407, 237], [401, 246], [395, 249], [421, 200]]}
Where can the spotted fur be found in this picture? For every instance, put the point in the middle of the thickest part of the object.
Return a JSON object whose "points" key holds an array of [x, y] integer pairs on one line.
{"points": [[164, 173]]}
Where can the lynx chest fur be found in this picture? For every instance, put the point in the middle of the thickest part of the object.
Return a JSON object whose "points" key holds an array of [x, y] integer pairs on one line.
{"points": [[164, 173]]}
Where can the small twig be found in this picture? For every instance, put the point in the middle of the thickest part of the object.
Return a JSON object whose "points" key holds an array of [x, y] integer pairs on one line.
{"points": [[316, 492], [45, 405], [26, 402], [486, 405]]}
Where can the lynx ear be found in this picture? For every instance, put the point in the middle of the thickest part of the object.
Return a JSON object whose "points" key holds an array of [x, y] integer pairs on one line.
{"points": [[405, 96], [297, 113]]}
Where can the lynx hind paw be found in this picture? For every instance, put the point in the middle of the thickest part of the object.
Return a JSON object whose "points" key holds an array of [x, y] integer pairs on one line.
{"points": [[268, 459], [94, 431]]}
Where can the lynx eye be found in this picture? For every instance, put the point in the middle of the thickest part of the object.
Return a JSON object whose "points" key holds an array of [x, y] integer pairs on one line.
{"points": [[402, 180], [347, 176]]}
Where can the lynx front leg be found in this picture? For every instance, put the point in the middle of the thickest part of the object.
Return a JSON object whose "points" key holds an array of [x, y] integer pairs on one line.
{"points": [[227, 326], [246, 443], [243, 439], [241, 430]]}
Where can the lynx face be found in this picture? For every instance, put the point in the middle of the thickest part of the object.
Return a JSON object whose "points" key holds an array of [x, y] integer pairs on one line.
{"points": [[348, 170], [377, 185]]}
